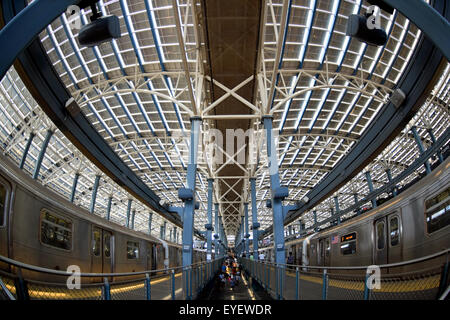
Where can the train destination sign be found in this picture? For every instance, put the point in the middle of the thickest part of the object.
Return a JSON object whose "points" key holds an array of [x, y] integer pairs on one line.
{"points": [[348, 237]]}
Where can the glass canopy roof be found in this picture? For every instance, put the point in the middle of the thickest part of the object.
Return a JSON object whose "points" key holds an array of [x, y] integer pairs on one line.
{"points": [[323, 89]]}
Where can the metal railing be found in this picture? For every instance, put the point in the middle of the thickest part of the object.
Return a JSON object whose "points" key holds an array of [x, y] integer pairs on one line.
{"points": [[424, 278], [163, 284]]}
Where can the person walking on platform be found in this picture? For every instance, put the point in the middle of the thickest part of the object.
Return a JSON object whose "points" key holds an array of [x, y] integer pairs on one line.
{"points": [[261, 256]]}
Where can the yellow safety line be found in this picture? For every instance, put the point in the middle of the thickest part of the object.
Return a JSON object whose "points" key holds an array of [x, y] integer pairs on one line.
{"points": [[75, 293], [399, 286]]}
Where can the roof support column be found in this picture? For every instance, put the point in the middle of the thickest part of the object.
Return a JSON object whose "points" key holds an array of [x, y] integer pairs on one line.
{"points": [[175, 233], [433, 139], [94, 193], [421, 148], [128, 213], [188, 195], [369, 183], [255, 224], [74, 187], [216, 228], [27, 148], [315, 221], [389, 176], [247, 234], [208, 226], [336, 204], [355, 198], [133, 213], [164, 230], [108, 209], [42, 153], [277, 193], [150, 218]]}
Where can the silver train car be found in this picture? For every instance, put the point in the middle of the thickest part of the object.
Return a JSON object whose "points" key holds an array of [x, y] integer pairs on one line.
{"points": [[41, 228], [414, 224]]}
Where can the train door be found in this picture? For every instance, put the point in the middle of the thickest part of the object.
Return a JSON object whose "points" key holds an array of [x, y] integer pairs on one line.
{"points": [[102, 244], [154, 256], [387, 239], [323, 253], [149, 256], [108, 251]]}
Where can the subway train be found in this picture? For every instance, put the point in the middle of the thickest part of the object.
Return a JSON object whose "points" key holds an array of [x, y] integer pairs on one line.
{"points": [[41, 228], [411, 225]]}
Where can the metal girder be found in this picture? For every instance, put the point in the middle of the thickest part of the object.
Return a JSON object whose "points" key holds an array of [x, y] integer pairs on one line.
{"points": [[23, 26], [49, 91], [415, 83], [434, 23]]}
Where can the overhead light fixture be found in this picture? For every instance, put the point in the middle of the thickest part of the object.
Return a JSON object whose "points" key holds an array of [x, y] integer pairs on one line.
{"points": [[367, 28], [101, 29]]}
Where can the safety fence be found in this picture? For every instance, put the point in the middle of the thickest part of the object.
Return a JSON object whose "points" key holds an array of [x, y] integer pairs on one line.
{"points": [[419, 279], [179, 283]]}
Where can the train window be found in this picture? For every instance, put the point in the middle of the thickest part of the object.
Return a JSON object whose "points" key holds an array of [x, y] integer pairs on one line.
{"points": [[132, 250], [348, 243], [107, 245], [3, 192], [437, 211], [348, 248], [381, 237], [96, 244], [56, 231], [394, 231]]}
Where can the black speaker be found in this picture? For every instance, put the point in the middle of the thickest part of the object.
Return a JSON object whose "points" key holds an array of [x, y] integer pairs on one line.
{"points": [[101, 30], [357, 27]]}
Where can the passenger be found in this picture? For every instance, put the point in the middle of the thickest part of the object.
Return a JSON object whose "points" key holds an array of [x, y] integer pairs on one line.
{"points": [[261, 256], [238, 275], [290, 260], [251, 256]]}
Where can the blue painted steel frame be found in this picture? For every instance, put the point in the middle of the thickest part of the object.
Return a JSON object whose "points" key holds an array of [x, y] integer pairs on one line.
{"points": [[209, 225], [216, 228], [254, 218], [94, 194], [189, 205]]}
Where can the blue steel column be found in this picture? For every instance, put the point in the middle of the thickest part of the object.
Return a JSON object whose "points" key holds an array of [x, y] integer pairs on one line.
{"points": [[133, 213], [208, 226], [369, 183], [150, 218], [216, 228], [255, 224], [94, 194], [389, 176], [128, 213], [421, 148], [108, 209], [74, 187], [336, 204], [42, 153], [355, 198], [25, 151], [315, 221], [247, 234], [277, 205], [189, 204], [164, 230], [433, 139]]}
